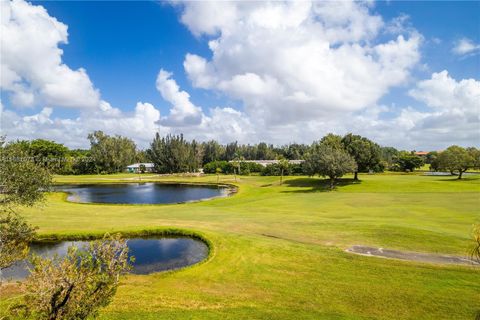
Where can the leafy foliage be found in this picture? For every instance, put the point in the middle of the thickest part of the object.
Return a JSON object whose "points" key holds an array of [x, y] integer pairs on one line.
{"points": [[212, 151], [389, 156], [111, 153], [365, 152], [327, 159], [82, 162], [232, 167], [77, 286], [332, 140], [172, 154], [407, 161], [22, 182], [49, 154], [21, 179], [456, 160], [432, 160], [15, 235]]}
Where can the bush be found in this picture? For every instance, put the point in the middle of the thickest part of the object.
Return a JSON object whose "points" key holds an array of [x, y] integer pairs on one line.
{"points": [[407, 162], [231, 167], [250, 167], [211, 167], [272, 170], [76, 286]]}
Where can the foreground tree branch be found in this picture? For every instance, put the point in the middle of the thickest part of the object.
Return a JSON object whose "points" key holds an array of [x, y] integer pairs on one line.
{"points": [[76, 286]]}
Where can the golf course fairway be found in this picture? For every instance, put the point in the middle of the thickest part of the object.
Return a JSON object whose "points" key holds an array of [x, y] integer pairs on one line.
{"points": [[278, 251]]}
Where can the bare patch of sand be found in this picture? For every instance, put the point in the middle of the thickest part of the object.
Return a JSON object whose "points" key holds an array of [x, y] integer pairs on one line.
{"points": [[410, 256]]}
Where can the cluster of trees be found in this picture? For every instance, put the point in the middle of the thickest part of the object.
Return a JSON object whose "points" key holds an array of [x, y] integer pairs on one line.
{"points": [[175, 154], [407, 162], [111, 154], [73, 287], [172, 154], [455, 159], [334, 156], [213, 151], [107, 154], [49, 154]]}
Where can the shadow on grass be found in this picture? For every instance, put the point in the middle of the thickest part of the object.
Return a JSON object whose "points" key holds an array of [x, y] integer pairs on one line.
{"points": [[455, 178], [316, 184]]}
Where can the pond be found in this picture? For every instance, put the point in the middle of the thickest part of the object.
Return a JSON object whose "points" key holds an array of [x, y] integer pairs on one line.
{"points": [[151, 255], [141, 193]]}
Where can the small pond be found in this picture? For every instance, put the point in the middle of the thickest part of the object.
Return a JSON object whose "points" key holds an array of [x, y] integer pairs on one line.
{"points": [[151, 255], [141, 193]]}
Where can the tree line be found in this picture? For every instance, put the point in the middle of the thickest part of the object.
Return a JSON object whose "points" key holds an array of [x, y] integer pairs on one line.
{"points": [[175, 154], [80, 284]]}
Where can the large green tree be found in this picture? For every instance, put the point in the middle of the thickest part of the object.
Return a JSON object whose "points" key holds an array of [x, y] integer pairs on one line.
{"points": [[407, 161], [332, 140], [329, 160], [52, 155], [111, 153], [264, 152], [432, 160], [389, 156], [82, 162], [366, 153], [174, 154], [231, 150], [294, 151], [457, 160], [22, 182], [213, 151]]}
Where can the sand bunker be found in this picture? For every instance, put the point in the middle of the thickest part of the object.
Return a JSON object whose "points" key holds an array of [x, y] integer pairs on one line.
{"points": [[411, 256]]}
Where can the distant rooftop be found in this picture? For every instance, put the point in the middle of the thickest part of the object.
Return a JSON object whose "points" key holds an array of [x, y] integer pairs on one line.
{"points": [[137, 165]]}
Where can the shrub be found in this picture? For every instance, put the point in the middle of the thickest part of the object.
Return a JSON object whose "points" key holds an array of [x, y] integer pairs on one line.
{"points": [[230, 167], [211, 167]]}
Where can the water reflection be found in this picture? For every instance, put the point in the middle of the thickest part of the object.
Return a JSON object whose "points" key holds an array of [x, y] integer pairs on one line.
{"points": [[141, 193], [151, 255]]}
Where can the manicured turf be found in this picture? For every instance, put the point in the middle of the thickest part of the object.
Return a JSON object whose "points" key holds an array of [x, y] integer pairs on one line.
{"points": [[279, 250]]}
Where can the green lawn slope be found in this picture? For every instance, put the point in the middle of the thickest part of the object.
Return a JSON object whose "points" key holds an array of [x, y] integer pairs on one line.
{"points": [[279, 249]]}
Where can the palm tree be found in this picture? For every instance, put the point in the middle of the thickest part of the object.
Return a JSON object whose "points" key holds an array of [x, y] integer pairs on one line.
{"points": [[284, 165]]}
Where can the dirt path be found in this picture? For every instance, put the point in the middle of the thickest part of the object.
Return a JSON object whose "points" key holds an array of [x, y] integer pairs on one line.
{"points": [[411, 256]]}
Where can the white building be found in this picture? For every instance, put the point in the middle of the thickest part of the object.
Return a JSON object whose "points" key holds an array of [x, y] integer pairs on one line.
{"points": [[135, 168], [267, 162]]}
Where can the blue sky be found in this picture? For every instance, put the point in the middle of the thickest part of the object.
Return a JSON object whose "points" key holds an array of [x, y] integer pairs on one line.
{"points": [[123, 45], [123, 59]]}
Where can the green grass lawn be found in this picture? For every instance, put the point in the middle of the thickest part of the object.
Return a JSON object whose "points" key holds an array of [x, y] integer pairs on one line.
{"points": [[279, 250]]}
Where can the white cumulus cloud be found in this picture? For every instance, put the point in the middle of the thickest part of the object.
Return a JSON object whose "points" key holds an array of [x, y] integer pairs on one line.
{"points": [[465, 46], [183, 112], [299, 69], [31, 60], [291, 61], [139, 125]]}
